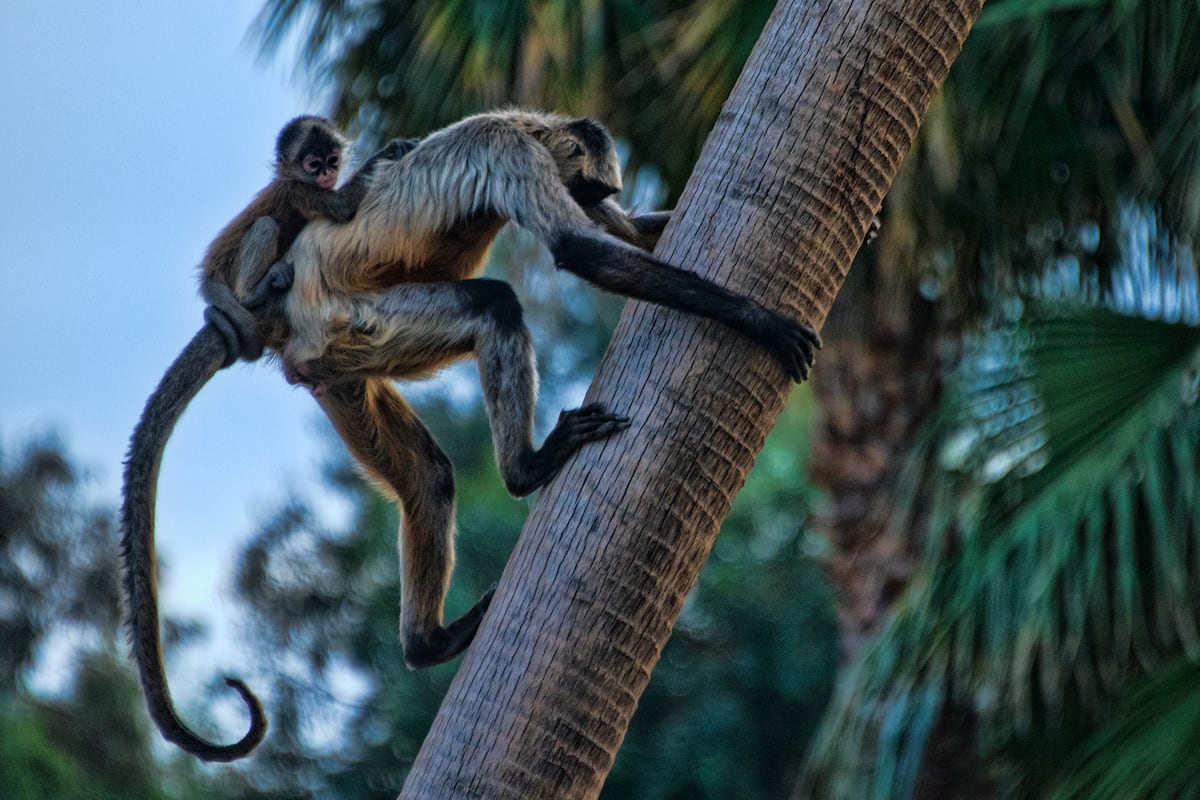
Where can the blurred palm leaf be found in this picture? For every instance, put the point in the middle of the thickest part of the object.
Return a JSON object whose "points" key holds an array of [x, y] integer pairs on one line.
{"points": [[1149, 747], [1055, 111], [655, 72], [1062, 543]]}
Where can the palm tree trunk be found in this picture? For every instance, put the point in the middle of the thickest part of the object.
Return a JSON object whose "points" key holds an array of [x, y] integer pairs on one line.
{"points": [[880, 378], [807, 145]]}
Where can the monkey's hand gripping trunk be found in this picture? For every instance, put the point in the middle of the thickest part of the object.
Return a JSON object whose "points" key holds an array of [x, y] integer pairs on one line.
{"points": [[194, 367]]}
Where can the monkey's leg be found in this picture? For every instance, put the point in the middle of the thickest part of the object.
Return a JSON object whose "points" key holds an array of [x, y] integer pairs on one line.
{"points": [[414, 329], [255, 255], [400, 456], [226, 312]]}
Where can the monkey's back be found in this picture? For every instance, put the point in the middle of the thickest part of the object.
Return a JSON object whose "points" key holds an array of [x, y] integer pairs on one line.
{"points": [[429, 216]]}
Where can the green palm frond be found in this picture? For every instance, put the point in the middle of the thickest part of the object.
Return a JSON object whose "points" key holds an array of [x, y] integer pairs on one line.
{"points": [[1147, 749], [1063, 106], [655, 72], [1062, 542]]}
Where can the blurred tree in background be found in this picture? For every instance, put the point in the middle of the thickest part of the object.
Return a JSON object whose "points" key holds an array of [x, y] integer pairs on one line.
{"points": [[1044, 509], [1058, 169], [58, 604]]}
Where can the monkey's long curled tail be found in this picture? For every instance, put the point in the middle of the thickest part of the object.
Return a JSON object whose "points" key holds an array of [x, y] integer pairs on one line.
{"points": [[194, 367]]}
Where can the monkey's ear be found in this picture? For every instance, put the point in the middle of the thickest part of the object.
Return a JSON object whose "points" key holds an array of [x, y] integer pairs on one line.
{"points": [[595, 137]]}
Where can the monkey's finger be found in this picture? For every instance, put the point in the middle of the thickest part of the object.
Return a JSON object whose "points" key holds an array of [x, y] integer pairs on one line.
{"points": [[599, 428], [590, 408], [795, 360], [806, 333], [593, 413]]}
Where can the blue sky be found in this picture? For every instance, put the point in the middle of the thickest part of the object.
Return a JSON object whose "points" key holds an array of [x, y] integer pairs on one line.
{"points": [[132, 132]]}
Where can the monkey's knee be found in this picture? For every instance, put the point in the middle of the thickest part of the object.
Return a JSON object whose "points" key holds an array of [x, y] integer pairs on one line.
{"points": [[262, 232], [496, 301]]}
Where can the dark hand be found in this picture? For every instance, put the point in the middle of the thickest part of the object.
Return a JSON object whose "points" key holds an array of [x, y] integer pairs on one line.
{"points": [[275, 283], [397, 149], [793, 345]]}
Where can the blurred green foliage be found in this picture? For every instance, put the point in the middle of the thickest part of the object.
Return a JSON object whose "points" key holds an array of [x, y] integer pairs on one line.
{"points": [[88, 737]]}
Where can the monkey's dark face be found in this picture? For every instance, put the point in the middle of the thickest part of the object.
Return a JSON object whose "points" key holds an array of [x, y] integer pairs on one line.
{"points": [[590, 191], [322, 169], [587, 161], [310, 149]]}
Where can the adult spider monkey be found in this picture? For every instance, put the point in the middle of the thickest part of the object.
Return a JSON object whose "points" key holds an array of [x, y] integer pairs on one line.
{"points": [[239, 276], [390, 294]]}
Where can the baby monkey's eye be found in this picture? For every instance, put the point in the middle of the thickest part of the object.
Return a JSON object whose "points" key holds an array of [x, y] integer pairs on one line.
{"points": [[311, 164]]}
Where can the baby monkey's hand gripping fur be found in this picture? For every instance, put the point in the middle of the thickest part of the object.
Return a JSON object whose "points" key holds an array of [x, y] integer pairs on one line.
{"points": [[390, 295], [242, 280]]}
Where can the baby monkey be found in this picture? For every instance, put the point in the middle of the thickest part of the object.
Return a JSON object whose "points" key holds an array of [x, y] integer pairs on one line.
{"points": [[241, 270], [240, 274]]}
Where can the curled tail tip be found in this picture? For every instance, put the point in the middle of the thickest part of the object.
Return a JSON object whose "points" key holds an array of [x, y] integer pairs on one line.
{"points": [[207, 751]]}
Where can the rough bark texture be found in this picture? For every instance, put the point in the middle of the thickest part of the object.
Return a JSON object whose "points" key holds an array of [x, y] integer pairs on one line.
{"points": [[800, 158]]}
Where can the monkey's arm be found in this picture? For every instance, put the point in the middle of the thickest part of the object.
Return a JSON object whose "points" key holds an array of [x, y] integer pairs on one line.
{"points": [[534, 197], [622, 269], [641, 230]]}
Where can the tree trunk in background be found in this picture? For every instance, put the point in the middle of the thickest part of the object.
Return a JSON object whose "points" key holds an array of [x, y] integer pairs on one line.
{"points": [[880, 377], [809, 142]]}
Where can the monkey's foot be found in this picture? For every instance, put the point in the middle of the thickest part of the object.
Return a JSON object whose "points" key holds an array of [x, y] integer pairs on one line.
{"points": [[793, 345], [442, 644], [397, 149], [275, 283], [573, 430]]}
